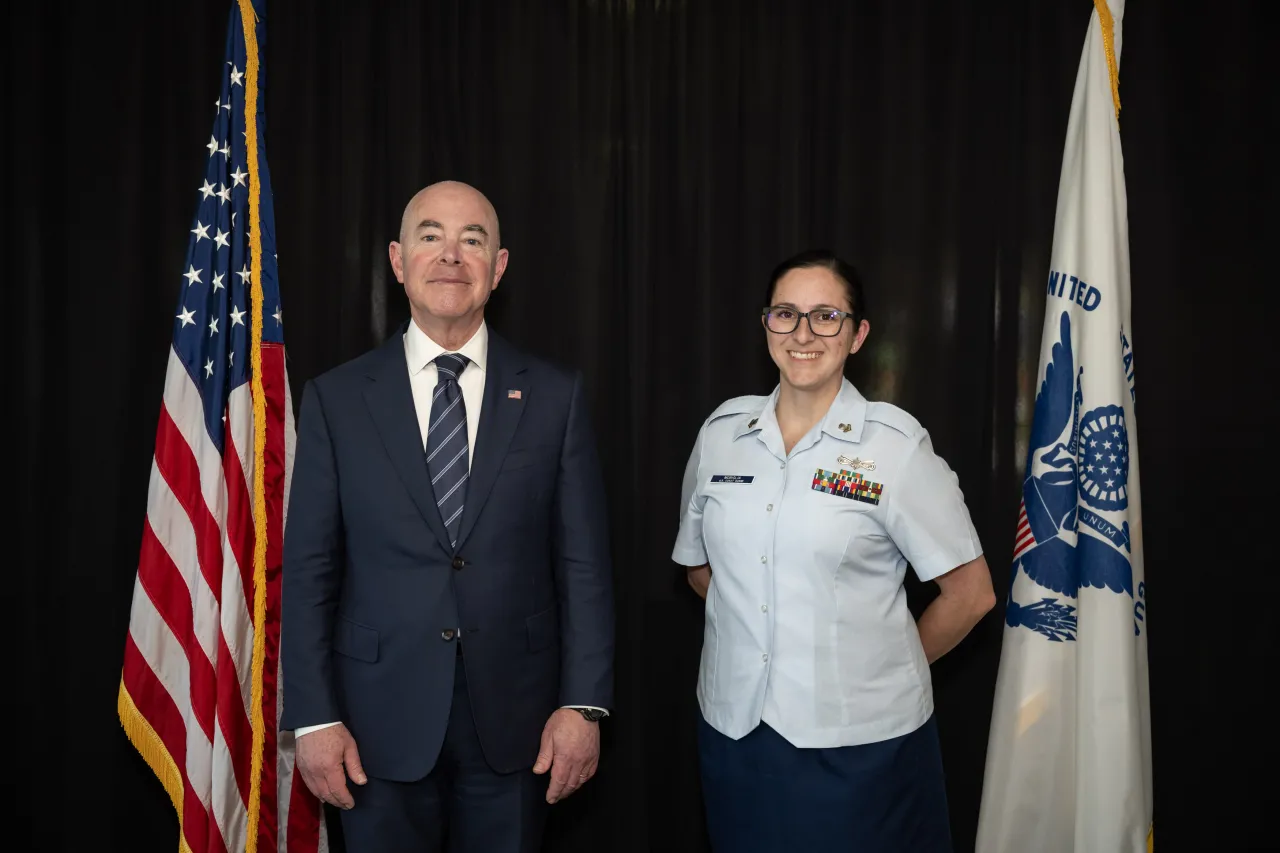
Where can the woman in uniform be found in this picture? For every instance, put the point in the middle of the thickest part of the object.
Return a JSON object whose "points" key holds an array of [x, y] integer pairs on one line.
{"points": [[800, 514]]}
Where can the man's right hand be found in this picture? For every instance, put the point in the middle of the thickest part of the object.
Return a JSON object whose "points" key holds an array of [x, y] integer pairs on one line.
{"points": [[326, 758]]}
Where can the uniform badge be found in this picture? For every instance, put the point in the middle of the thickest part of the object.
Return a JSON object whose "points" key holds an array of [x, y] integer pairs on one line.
{"points": [[847, 484], [855, 463]]}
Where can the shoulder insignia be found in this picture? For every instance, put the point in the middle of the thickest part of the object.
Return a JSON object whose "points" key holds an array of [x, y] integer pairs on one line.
{"points": [[891, 416], [737, 406]]}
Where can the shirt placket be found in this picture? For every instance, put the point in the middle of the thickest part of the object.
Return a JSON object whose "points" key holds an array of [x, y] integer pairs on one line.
{"points": [[770, 513]]}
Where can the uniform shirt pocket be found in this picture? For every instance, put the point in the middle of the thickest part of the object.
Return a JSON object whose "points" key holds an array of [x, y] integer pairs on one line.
{"points": [[728, 521]]}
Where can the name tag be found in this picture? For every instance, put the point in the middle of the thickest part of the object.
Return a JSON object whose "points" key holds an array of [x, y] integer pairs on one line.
{"points": [[732, 478]]}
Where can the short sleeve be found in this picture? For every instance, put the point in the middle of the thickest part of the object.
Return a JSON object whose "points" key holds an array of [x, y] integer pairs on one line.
{"points": [[926, 515], [690, 549]]}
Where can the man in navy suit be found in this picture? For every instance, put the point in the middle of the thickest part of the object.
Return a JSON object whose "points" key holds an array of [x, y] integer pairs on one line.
{"points": [[447, 629]]}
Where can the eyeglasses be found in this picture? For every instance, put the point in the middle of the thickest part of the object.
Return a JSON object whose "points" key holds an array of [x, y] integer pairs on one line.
{"points": [[823, 322]]}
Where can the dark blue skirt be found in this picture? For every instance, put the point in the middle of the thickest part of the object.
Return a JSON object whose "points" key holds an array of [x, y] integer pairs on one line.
{"points": [[764, 795]]}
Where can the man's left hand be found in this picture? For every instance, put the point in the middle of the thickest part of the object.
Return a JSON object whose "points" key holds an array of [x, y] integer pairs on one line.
{"points": [[570, 750]]}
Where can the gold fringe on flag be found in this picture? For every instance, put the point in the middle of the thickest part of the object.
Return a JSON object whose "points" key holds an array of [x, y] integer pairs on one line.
{"points": [[249, 20], [1109, 48], [152, 750]]}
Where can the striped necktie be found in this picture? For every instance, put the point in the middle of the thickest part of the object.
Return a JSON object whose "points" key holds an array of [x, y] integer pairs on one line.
{"points": [[447, 442]]}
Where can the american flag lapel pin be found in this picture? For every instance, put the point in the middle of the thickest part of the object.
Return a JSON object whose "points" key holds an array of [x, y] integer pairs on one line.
{"points": [[513, 394]]}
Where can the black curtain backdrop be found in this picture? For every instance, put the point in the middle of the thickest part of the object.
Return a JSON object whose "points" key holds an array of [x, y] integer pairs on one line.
{"points": [[650, 162]]}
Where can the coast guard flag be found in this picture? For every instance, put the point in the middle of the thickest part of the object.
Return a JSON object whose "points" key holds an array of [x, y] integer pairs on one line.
{"points": [[1069, 758], [198, 695]]}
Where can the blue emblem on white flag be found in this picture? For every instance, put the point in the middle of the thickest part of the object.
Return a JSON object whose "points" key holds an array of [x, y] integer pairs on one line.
{"points": [[1077, 475]]}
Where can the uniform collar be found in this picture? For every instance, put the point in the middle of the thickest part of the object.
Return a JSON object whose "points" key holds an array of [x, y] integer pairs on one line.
{"points": [[847, 415], [848, 409], [754, 419], [420, 350]]}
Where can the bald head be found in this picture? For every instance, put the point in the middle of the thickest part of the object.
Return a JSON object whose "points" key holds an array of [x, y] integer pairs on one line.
{"points": [[449, 259], [454, 196]]}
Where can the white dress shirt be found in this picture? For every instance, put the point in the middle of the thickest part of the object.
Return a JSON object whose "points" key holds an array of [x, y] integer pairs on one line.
{"points": [[807, 626], [420, 353]]}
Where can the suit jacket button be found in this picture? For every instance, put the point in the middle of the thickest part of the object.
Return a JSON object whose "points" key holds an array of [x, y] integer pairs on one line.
{"points": [[446, 634], [458, 562]]}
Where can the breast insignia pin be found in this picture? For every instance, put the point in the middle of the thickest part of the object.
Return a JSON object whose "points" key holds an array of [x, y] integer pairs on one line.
{"points": [[855, 463]]}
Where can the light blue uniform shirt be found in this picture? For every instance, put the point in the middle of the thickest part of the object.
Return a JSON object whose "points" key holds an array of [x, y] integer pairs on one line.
{"points": [[807, 626]]}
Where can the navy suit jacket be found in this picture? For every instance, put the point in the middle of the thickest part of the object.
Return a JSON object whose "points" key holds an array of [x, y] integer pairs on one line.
{"points": [[371, 589]]}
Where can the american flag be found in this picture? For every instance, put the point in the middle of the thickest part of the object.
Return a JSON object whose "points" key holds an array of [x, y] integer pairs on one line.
{"points": [[198, 695], [1023, 538]]}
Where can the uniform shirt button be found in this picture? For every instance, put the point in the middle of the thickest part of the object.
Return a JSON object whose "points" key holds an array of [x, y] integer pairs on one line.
{"points": [[764, 658], [763, 559], [764, 608], [769, 508]]}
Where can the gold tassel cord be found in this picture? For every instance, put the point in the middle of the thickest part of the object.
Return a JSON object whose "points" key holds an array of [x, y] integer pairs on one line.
{"points": [[249, 20], [1109, 48]]}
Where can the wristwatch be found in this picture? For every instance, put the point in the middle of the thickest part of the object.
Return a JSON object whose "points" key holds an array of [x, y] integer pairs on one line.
{"points": [[594, 715]]}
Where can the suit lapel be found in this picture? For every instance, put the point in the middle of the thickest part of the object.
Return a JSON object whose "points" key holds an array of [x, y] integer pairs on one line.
{"points": [[390, 403], [499, 416]]}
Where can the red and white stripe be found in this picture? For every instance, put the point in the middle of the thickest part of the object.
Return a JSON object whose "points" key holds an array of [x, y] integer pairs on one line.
{"points": [[1023, 538], [188, 664]]}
